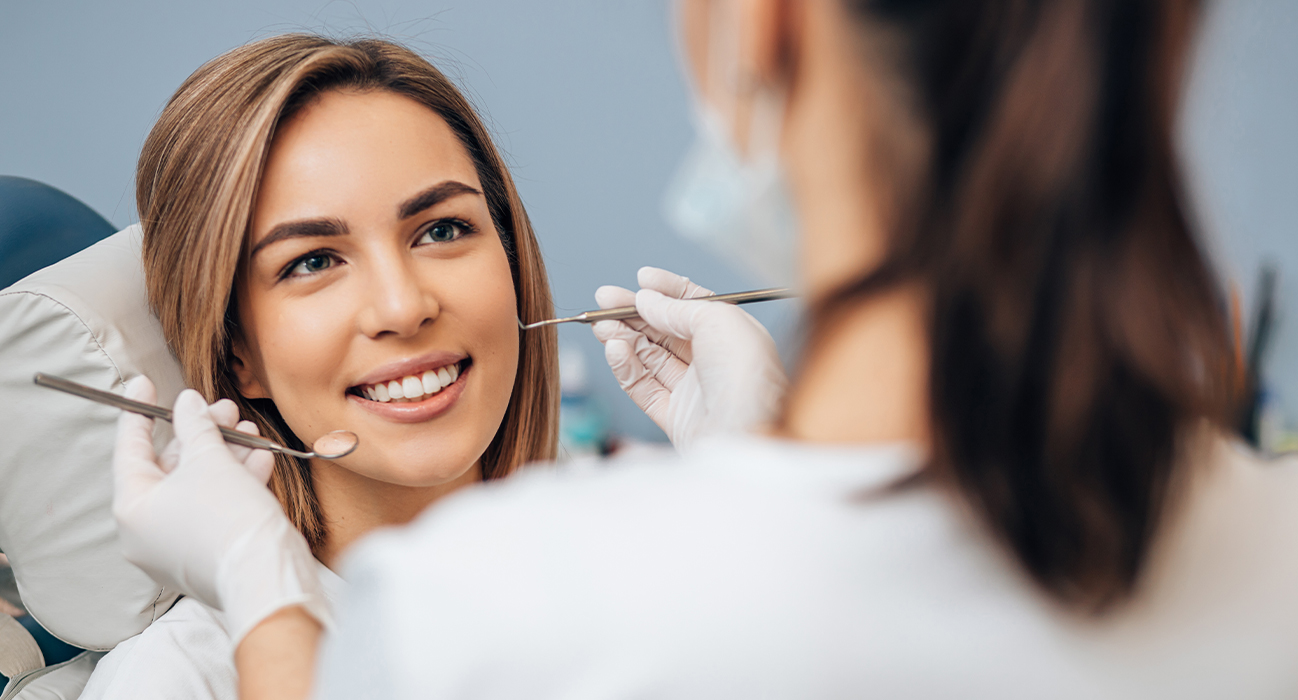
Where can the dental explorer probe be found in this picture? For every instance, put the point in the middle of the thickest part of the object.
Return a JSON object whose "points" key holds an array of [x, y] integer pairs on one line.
{"points": [[619, 313], [333, 445]]}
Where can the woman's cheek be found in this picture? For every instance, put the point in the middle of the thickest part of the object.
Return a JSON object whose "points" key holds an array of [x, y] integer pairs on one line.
{"points": [[307, 347], [498, 317]]}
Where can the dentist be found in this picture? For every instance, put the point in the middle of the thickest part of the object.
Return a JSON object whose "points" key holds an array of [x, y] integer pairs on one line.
{"points": [[1002, 470]]}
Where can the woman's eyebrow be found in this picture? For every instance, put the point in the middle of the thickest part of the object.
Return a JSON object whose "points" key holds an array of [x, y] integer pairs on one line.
{"points": [[433, 195], [305, 228]]}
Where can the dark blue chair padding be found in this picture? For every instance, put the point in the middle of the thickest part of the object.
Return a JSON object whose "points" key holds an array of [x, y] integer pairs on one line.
{"points": [[55, 650], [40, 225]]}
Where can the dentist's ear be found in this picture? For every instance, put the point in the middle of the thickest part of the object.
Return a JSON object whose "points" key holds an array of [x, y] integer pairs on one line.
{"points": [[761, 35], [735, 50], [249, 384], [768, 40]]}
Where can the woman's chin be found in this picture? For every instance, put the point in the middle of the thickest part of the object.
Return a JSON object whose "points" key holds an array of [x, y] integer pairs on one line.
{"points": [[411, 468]]}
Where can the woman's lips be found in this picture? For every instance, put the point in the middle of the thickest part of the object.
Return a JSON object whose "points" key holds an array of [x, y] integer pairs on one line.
{"points": [[416, 411], [415, 366]]}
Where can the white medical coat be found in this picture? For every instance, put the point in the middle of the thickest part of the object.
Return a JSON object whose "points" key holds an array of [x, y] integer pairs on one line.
{"points": [[757, 568]]}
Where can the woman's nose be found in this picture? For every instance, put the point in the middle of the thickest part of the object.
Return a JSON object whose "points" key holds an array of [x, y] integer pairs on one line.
{"points": [[396, 303]]}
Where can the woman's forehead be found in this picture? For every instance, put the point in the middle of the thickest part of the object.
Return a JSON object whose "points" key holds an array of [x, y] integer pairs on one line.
{"points": [[358, 151]]}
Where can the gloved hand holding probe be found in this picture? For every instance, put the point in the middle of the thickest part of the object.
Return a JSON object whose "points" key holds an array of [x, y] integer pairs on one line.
{"points": [[696, 368], [200, 519]]}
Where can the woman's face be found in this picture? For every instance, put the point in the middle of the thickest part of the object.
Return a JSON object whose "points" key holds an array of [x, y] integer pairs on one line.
{"points": [[377, 296]]}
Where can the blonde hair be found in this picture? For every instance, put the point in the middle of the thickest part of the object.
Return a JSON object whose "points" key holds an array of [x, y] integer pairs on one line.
{"points": [[196, 185]]}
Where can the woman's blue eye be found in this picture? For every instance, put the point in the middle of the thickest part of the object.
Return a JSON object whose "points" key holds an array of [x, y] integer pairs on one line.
{"points": [[442, 232], [312, 263]]}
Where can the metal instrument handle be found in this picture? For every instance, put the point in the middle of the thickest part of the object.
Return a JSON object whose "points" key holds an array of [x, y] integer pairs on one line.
{"points": [[618, 313], [145, 409]]}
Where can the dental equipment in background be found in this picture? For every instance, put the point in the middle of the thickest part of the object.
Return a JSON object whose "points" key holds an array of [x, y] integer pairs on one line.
{"points": [[619, 313], [332, 445]]}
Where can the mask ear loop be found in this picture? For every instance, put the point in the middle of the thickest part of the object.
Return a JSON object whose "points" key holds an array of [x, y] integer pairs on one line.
{"points": [[774, 211], [720, 177], [765, 120], [725, 78], [766, 127]]}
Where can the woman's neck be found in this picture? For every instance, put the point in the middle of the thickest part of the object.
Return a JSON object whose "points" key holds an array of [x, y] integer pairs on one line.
{"points": [[354, 505]]}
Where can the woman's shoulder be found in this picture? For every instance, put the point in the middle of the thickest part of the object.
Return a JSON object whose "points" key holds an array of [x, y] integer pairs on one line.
{"points": [[184, 654]]}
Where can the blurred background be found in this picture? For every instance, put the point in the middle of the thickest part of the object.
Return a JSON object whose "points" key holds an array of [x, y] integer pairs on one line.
{"points": [[585, 99]]}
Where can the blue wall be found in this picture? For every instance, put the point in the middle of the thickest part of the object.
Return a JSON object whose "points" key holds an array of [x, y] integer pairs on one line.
{"points": [[1240, 134], [585, 99]]}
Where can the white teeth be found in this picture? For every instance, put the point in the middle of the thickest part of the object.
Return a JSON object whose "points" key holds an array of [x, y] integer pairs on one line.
{"points": [[413, 388]]}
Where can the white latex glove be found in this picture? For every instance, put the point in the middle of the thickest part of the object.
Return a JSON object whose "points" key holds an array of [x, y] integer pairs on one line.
{"points": [[200, 519], [696, 368]]}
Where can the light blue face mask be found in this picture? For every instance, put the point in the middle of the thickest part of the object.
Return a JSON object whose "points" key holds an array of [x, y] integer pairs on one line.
{"points": [[738, 207]]}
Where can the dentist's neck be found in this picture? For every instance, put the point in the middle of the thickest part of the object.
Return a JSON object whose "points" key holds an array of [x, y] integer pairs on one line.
{"points": [[848, 152]]}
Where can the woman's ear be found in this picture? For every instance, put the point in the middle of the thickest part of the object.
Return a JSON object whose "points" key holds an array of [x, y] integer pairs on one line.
{"points": [[250, 385]]}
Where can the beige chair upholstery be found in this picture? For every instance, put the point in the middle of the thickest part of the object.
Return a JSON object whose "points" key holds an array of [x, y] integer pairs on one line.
{"points": [[86, 319], [18, 651], [63, 681]]}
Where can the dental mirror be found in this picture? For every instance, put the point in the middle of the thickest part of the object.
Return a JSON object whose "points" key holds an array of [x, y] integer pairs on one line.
{"points": [[333, 445]]}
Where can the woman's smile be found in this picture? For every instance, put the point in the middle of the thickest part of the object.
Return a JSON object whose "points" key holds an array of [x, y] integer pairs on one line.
{"points": [[408, 393]]}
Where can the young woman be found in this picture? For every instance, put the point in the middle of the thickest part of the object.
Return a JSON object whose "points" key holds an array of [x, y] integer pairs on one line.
{"points": [[331, 241]]}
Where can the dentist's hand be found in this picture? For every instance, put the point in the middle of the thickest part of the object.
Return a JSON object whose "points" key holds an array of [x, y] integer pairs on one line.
{"points": [[696, 368], [200, 519]]}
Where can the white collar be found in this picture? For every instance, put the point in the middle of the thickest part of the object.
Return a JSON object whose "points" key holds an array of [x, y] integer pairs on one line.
{"points": [[830, 469], [331, 583]]}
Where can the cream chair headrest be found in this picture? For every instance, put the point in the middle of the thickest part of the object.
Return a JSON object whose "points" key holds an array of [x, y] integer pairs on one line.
{"points": [[85, 318]]}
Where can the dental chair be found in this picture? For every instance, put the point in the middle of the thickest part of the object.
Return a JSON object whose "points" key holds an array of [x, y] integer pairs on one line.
{"points": [[85, 318], [40, 225]]}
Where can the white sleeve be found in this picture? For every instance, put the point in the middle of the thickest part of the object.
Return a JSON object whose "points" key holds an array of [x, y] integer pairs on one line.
{"points": [[184, 655]]}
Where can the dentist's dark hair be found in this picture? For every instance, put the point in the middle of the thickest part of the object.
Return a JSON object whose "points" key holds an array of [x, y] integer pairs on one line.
{"points": [[1078, 336]]}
